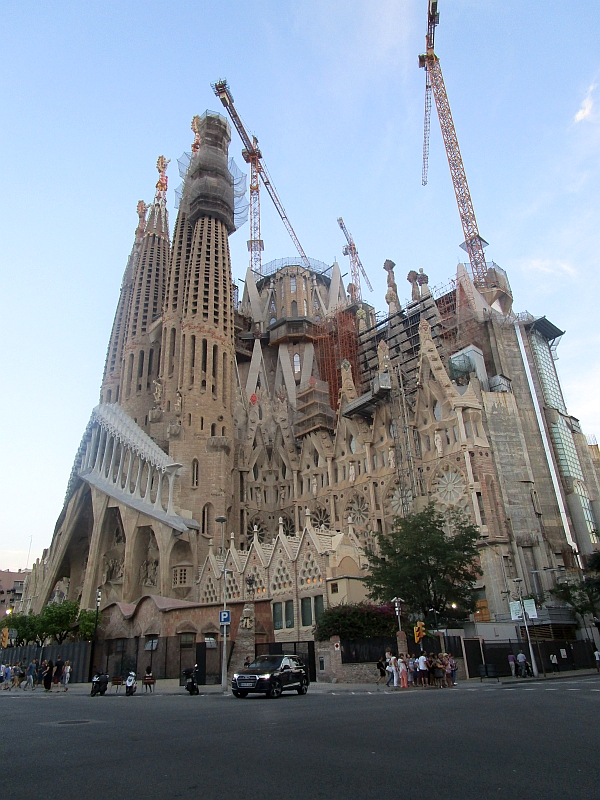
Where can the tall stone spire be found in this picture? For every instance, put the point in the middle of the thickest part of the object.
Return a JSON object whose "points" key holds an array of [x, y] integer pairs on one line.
{"points": [[109, 391], [198, 356], [141, 353]]}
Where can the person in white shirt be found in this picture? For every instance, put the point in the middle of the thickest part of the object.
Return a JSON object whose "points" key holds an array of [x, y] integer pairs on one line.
{"points": [[522, 659], [597, 657], [423, 669]]}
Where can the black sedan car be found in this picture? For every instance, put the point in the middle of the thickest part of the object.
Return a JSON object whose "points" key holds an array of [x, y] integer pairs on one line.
{"points": [[271, 675]]}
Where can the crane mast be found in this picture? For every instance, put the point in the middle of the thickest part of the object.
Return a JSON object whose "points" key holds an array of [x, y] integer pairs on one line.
{"points": [[258, 172], [474, 244], [356, 266]]}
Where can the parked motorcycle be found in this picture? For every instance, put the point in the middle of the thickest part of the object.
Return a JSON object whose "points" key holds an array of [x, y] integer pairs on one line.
{"points": [[191, 684], [99, 684], [130, 684]]}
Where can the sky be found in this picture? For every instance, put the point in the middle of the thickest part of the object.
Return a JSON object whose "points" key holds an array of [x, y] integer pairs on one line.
{"points": [[92, 93]]}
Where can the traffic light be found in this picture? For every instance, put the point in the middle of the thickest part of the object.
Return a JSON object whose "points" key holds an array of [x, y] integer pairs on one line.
{"points": [[420, 632], [4, 640]]}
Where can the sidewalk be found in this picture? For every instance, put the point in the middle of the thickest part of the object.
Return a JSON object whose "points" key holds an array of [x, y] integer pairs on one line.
{"points": [[171, 686]]}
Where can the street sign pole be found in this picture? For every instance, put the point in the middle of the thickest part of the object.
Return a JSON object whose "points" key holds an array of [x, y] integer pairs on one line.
{"points": [[223, 615], [536, 674]]}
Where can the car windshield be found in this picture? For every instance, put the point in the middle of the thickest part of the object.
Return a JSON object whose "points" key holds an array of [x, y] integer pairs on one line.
{"points": [[266, 662]]}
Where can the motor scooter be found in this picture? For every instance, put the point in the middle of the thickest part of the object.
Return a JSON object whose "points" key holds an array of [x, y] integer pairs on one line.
{"points": [[130, 684], [191, 684], [99, 684]]}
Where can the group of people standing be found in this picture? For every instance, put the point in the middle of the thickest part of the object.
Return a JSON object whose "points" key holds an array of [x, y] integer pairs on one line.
{"points": [[29, 676], [406, 671]]}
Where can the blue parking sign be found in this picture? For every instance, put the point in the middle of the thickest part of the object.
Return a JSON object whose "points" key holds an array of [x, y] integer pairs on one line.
{"points": [[225, 617]]}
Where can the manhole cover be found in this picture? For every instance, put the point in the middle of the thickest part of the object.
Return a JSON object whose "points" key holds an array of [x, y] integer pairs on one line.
{"points": [[73, 722]]}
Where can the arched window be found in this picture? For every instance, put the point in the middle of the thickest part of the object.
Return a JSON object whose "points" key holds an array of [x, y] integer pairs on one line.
{"points": [[294, 308], [195, 473], [296, 362], [213, 429], [293, 283], [108, 396]]}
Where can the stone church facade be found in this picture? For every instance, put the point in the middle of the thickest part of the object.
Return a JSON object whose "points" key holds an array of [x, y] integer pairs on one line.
{"points": [[309, 423]]}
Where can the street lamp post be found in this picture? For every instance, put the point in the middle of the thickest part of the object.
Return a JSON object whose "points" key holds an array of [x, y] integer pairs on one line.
{"points": [[518, 581], [93, 655], [397, 601], [435, 616], [224, 687]]}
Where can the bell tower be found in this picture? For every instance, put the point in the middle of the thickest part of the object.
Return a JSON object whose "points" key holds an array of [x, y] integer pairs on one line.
{"points": [[195, 391]]}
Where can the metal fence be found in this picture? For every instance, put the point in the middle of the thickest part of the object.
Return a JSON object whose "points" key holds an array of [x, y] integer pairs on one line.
{"points": [[78, 653], [576, 654]]}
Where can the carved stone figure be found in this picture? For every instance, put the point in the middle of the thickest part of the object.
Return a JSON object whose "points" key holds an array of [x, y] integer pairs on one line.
{"points": [[423, 281], [157, 391], [314, 485], [178, 403], [352, 473], [413, 278], [392, 457], [383, 356], [439, 444], [391, 296]]}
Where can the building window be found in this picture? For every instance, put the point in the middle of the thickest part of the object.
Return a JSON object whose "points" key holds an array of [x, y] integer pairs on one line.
{"points": [[210, 642], [481, 508], [120, 645], [306, 611], [180, 576], [187, 641], [151, 643], [195, 473], [277, 616], [293, 283], [319, 607], [296, 363], [294, 308], [289, 613], [334, 588]]}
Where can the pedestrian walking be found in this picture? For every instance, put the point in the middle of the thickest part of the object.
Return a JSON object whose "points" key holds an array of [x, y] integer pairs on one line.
{"points": [[66, 675], [48, 675], [30, 676], [388, 666], [454, 669], [7, 678], [522, 661], [512, 663], [382, 672], [40, 673], [58, 671], [597, 657], [411, 670], [554, 662], [2, 670], [395, 671]]}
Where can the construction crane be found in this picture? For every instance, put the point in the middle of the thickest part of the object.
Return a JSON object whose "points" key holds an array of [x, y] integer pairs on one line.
{"points": [[258, 171], [434, 81], [355, 262]]}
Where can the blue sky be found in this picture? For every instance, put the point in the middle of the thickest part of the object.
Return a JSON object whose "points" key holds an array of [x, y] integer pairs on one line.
{"points": [[93, 92]]}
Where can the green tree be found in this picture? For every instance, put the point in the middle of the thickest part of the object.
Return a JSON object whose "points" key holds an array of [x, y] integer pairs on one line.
{"points": [[429, 560], [86, 624], [356, 621], [24, 627], [58, 619], [583, 596]]}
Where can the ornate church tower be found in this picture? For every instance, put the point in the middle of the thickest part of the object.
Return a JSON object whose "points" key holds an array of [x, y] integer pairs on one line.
{"points": [[198, 357], [111, 380], [141, 351]]}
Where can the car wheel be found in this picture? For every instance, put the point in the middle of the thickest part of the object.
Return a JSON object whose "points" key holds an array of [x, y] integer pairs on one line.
{"points": [[303, 688], [276, 689], [239, 693]]}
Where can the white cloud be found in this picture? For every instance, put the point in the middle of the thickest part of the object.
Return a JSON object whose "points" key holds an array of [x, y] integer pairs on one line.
{"points": [[547, 266], [585, 110]]}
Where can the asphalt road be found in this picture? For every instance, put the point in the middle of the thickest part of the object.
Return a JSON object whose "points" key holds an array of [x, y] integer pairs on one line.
{"points": [[530, 741]]}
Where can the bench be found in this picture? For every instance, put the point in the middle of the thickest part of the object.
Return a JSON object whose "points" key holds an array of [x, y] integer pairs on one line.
{"points": [[117, 681], [148, 680]]}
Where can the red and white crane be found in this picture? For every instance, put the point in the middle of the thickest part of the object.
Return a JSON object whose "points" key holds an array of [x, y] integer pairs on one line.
{"points": [[258, 172]]}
